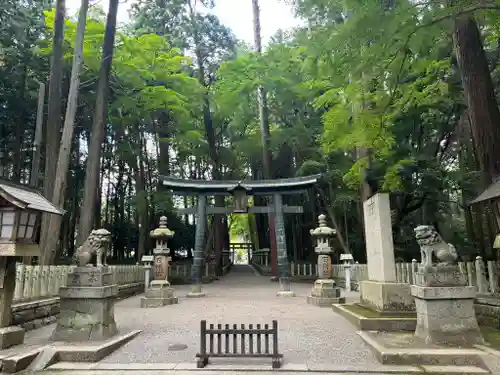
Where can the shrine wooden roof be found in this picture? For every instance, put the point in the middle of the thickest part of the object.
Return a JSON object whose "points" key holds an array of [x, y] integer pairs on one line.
{"points": [[252, 187], [491, 193], [26, 197]]}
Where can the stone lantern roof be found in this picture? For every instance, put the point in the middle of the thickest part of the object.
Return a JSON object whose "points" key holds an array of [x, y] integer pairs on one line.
{"points": [[322, 230], [162, 231]]}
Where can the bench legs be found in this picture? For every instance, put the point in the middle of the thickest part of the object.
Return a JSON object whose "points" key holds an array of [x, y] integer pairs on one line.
{"points": [[276, 362], [201, 362]]}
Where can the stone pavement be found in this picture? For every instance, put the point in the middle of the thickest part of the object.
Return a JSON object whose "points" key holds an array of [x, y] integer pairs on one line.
{"points": [[197, 372], [312, 339], [307, 334]]}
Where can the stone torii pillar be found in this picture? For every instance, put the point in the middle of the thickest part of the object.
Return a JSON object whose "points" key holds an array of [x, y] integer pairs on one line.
{"points": [[199, 241], [283, 265], [324, 292]]}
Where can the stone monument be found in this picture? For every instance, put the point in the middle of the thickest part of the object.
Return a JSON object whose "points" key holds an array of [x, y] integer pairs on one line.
{"points": [[160, 293], [324, 292], [87, 302], [444, 302], [382, 292]]}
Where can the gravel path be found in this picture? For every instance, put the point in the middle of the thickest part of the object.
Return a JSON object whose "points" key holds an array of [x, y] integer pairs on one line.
{"points": [[307, 334]]}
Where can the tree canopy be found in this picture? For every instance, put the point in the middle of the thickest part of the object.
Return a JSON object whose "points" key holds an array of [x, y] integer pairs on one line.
{"points": [[367, 90]]}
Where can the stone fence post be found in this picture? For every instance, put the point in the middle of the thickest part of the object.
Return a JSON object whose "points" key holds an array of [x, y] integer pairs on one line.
{"points": [[482, 284]]}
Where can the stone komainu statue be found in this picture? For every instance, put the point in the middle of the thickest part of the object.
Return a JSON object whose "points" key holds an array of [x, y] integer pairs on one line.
{"points": [[94, 249], [431, 242]]}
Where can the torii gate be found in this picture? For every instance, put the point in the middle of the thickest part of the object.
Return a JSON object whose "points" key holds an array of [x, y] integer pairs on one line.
{"points": [[240, 190]]}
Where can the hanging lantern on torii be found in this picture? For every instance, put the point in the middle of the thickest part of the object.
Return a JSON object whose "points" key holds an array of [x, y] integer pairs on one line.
{"points": [[240, 198]]}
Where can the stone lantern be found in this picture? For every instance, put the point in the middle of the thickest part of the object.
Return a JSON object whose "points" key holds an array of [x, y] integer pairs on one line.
{"points": [[147, 260], [21, 208], [159, 292], [324, 292], [161, 252], [348, 260]]}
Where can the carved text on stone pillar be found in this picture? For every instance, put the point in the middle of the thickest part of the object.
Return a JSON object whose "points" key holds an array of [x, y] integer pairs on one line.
{"points": [[161, 267], [324, 266]]}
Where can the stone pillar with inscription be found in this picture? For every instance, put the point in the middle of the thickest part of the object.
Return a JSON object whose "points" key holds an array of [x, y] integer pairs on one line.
{"points": [[160, 293], [324, 292], [381, 292]]}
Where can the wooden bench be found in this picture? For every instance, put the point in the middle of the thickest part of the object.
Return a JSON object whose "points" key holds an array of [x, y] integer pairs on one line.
{"points": [[238, 342]]}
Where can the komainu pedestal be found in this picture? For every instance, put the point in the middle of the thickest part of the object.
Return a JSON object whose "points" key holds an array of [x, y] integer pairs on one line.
{"points": [[444, 302], [445, 308], [159, 294], [87, 306], [325, 293]]}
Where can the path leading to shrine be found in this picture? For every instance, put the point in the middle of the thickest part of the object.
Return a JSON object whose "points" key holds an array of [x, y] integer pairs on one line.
{"points": [[308, 335], [313, 340]]}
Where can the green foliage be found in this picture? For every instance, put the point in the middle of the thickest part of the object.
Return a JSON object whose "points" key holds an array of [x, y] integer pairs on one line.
{"points": [[363, 75]]}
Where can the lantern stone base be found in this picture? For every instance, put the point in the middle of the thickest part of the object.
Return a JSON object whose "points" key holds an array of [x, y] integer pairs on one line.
{"points": [[285, 288], [196, 292], [285, 293], [87, 306], [159, 294], [325, 293], [11, 336]]}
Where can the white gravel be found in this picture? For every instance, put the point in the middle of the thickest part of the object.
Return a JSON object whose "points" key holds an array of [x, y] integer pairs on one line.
{"points": [[307, 334]]}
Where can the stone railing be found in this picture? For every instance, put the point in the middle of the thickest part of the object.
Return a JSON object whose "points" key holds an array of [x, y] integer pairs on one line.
{"points": [[36, 300], [479, 273], [261, 258], [181, 273], [38, 282]]}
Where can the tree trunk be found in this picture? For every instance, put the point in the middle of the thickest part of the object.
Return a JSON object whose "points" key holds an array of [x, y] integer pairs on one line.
{"points": [[63, 159], [265, 136], [17, 156], [479, 92], [483, 109], [53, 127], [98, 128], [37, 139], [142, 199], [164, 145], [210, 133]]}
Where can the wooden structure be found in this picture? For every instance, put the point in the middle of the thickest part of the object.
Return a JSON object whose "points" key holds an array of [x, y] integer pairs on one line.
{"points": [[235, 247], [21, 209], [491, 195], [20, 217], [232, 342], [240, 190]]}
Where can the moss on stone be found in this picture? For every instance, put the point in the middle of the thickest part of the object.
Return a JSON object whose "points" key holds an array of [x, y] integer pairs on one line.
{"points": [[492, 336], [367, 313]]}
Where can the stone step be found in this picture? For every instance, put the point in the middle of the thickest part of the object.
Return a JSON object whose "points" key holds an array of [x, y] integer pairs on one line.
{"points": [[235, 372], [19, 361], [68, 368]]}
